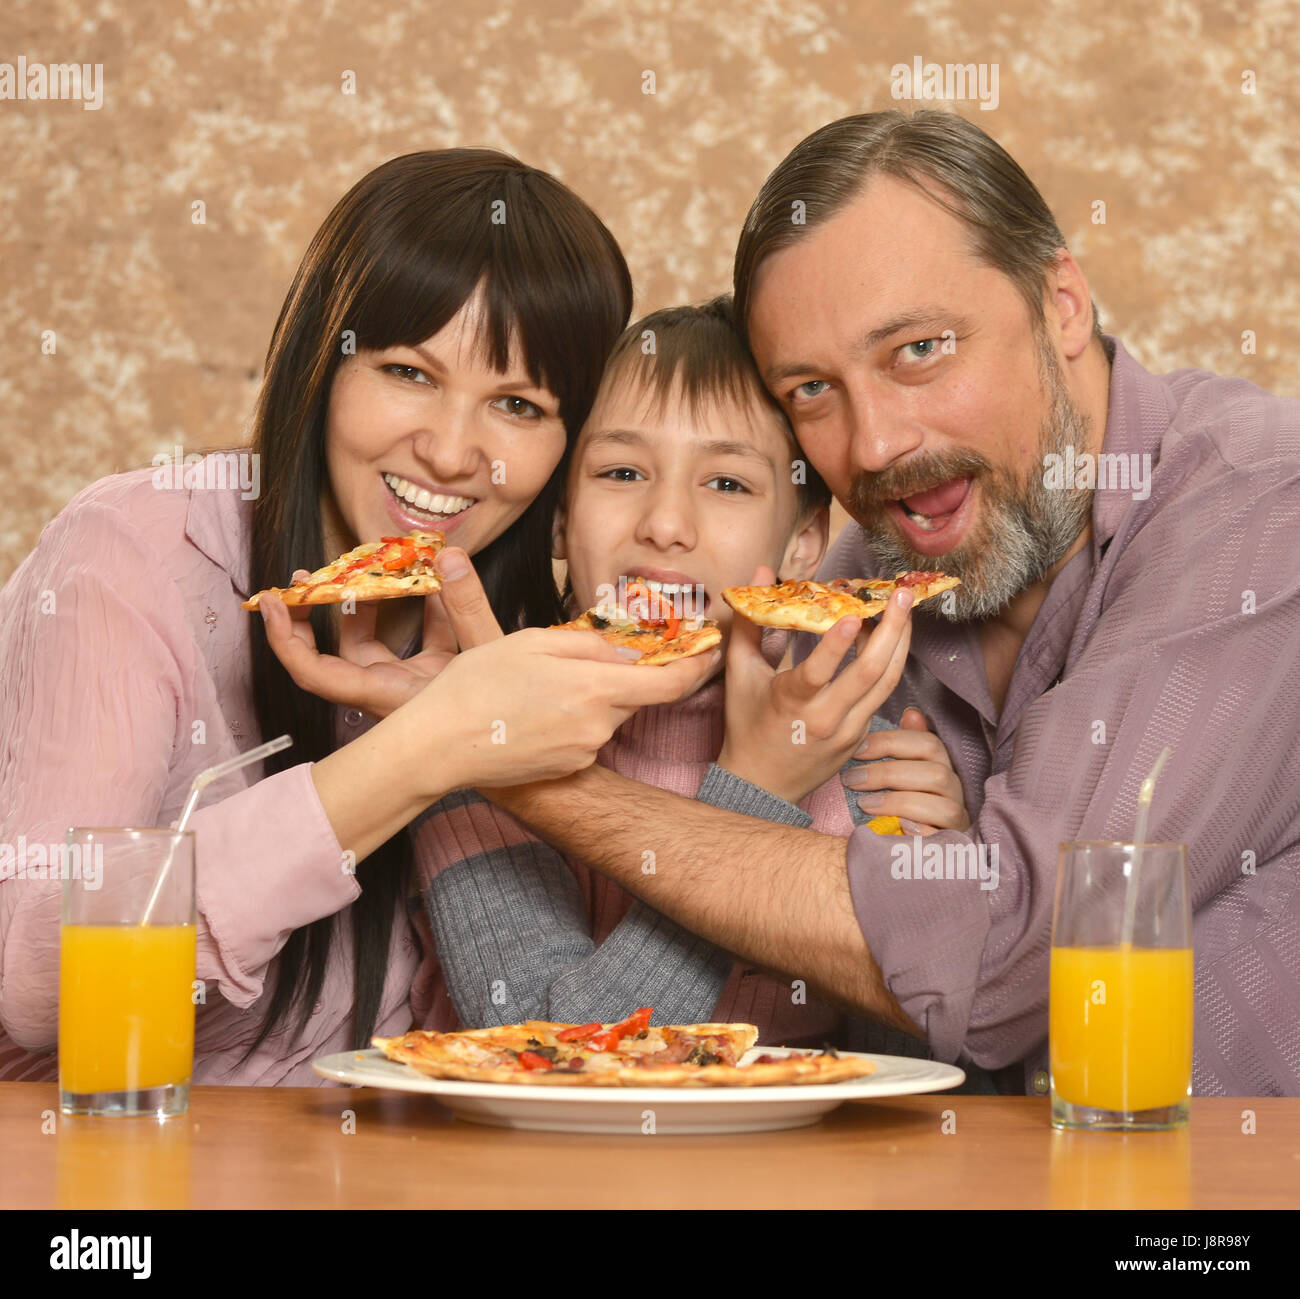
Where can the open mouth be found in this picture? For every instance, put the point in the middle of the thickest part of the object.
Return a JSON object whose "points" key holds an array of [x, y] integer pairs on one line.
{"points": [[686, 599], [419, 506], [935, 520]]}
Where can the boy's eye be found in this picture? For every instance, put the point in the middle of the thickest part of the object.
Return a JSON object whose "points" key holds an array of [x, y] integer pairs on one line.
{"points": [[519, 406], [410, 373], [813, 388], [921, 350], [620, 475], [728, 485]]}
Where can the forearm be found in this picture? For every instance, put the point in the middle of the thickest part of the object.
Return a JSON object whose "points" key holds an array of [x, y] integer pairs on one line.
{"points": [[792, 910]]}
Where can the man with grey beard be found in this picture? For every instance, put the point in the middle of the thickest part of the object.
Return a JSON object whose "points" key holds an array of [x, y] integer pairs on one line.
{"points": [[1130, 581]]}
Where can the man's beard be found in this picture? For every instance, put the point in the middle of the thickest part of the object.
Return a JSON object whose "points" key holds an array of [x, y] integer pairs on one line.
{"points": [[1023, 527]]}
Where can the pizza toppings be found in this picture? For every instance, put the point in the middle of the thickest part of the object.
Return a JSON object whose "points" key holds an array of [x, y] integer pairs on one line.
{"points": [[612, 1036], [818, 606]]}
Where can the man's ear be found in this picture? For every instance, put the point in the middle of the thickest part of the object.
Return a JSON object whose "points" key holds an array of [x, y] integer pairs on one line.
{"points": [[1069, 302], [558, 550], [807, 546]]}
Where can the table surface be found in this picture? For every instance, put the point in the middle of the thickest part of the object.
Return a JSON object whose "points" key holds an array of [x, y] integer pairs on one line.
{"points": [[274, 1147]]}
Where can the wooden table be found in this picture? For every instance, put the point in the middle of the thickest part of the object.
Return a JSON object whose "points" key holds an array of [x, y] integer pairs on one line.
{"points": [[264, 1147]]}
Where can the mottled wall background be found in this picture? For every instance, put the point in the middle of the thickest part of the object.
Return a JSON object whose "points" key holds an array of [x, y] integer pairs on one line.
{"points": [[160, 324]]}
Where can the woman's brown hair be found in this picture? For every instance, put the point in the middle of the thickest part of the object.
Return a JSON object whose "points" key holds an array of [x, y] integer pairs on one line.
{"points": [[395, 260]]}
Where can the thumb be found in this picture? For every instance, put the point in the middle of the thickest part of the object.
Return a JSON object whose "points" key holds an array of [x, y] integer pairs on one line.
{"points": [[465, 600], [913, 720]]}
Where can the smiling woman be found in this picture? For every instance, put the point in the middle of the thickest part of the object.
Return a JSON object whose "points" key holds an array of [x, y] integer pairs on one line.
{"points": [[440, 346]]}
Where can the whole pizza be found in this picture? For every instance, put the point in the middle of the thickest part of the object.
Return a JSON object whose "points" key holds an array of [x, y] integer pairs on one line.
{"points": [[628, 1053]]}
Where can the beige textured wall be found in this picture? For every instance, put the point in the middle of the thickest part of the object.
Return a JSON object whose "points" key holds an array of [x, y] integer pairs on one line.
{"points": [[160, 325]]}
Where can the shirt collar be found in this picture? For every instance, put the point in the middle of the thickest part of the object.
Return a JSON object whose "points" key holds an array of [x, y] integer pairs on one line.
{"points": [[219, 522]]}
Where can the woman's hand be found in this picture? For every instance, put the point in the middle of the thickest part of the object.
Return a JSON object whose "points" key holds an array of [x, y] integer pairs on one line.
{"points": [[365, 673], [919, 786], [788, 732]]}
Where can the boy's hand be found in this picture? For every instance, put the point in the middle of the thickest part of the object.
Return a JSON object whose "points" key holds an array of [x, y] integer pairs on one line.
{"points": [[789, 732], [920, 785]]}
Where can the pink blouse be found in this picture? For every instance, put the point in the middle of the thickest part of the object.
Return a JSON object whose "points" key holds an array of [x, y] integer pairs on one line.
{"points": [[125, 671]]}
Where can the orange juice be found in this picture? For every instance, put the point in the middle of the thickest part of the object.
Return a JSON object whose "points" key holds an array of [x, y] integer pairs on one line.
{"points": [[1121, 1026], [126, 1009]]}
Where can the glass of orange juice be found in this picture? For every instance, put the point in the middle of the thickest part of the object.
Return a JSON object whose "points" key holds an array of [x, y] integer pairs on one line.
{"points": [[1120, 1016], [126, 972]]}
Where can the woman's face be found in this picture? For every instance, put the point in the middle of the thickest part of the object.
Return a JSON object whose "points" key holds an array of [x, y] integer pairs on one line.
{"points": [[430, 436]]}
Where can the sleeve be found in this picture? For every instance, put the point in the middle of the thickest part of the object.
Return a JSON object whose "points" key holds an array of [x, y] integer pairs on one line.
{"points": [[96, 669], [1195, 647], [511, 929]]}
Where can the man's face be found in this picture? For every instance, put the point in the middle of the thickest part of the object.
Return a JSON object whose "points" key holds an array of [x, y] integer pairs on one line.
{"points": [[920, 389]]}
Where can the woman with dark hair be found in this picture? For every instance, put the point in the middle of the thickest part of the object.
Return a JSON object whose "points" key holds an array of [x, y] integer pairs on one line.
{"points": [[438, 351]]}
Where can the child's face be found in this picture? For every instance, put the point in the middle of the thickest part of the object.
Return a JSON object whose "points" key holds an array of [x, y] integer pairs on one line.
{"points": [[694, 500]]}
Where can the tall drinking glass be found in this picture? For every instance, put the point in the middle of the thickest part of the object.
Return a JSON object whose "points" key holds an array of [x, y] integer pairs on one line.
{"points": [[126, 973], [1120, 1017]]}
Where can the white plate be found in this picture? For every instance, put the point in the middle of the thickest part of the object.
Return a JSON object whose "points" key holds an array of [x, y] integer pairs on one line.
{"points": [[632, 1110]]}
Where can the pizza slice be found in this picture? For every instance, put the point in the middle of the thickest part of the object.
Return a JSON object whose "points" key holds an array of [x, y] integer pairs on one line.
{"points": [[818, 606], [375, 570], [649, 622], [629, 1053]]}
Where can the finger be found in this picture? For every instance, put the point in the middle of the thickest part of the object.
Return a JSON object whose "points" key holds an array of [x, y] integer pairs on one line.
{"points": [[330, 678], [764, 576], [920, 746], [438, 633], [925, 777], [878, 669], [660, 684], [745, 648], [816, 671], [465, 600], [913, 720], [924, 809], [357, 629]]}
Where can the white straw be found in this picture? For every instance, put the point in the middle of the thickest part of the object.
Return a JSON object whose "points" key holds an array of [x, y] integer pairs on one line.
{"points": [[201, 781], [1145, 794]]}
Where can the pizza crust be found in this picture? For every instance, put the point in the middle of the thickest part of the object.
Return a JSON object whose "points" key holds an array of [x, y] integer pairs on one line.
{"points": [[818, 606]]}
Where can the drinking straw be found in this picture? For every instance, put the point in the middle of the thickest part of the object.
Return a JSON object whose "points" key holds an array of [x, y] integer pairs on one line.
{"points": [[201, 781], [1145, 795]]}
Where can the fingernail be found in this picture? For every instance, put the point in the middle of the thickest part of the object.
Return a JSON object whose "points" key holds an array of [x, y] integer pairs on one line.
{"points": [[870, 802], [905, 598], [453, 564], [910, 826], [627, 652]]}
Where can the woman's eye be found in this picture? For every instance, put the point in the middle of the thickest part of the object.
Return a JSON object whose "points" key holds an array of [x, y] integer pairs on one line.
{"points": [[620, 475], [519, 406], [922, 350], [728, 485], [813, 388], [409, 372]]}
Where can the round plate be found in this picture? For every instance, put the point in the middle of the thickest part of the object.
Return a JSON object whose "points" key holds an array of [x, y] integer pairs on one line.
{"points": [[662, 1110]]}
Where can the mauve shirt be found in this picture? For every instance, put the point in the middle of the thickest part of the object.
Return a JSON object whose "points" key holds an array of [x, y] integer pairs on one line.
{"points": [[124, 671], [1178, 625]]}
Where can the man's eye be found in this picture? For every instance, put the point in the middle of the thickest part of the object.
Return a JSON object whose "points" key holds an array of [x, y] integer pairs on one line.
{"points": [[731, 485], [409, 372], [519, 406], [921, 350], [813, 388], [617, 475]]}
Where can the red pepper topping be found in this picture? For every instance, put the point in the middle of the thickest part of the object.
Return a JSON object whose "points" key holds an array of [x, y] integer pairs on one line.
{"points": [[630, 1027], [532, 1061], [578, 1032]]}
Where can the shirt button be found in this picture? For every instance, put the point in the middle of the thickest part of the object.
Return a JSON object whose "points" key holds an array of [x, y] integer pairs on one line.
{"points": [[353, 717], [1040, 1082]]}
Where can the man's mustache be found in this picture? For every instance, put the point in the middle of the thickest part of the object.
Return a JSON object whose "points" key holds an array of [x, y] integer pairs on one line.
{"points": [[870, 493]]}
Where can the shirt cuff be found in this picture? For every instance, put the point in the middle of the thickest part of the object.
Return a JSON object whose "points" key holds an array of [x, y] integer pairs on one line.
{"points": [[924, 912], [267, 862], [724, 790]]}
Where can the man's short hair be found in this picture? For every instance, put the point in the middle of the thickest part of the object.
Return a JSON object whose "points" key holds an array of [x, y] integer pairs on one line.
{"points": [[698, 355], [950, 160]]}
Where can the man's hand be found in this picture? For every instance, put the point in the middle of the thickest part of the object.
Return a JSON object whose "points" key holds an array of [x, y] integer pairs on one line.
{"points": [[921, 785], [790, 731]]}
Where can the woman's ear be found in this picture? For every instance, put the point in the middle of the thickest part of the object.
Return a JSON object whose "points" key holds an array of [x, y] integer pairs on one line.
{"points": [[807, 546]]}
